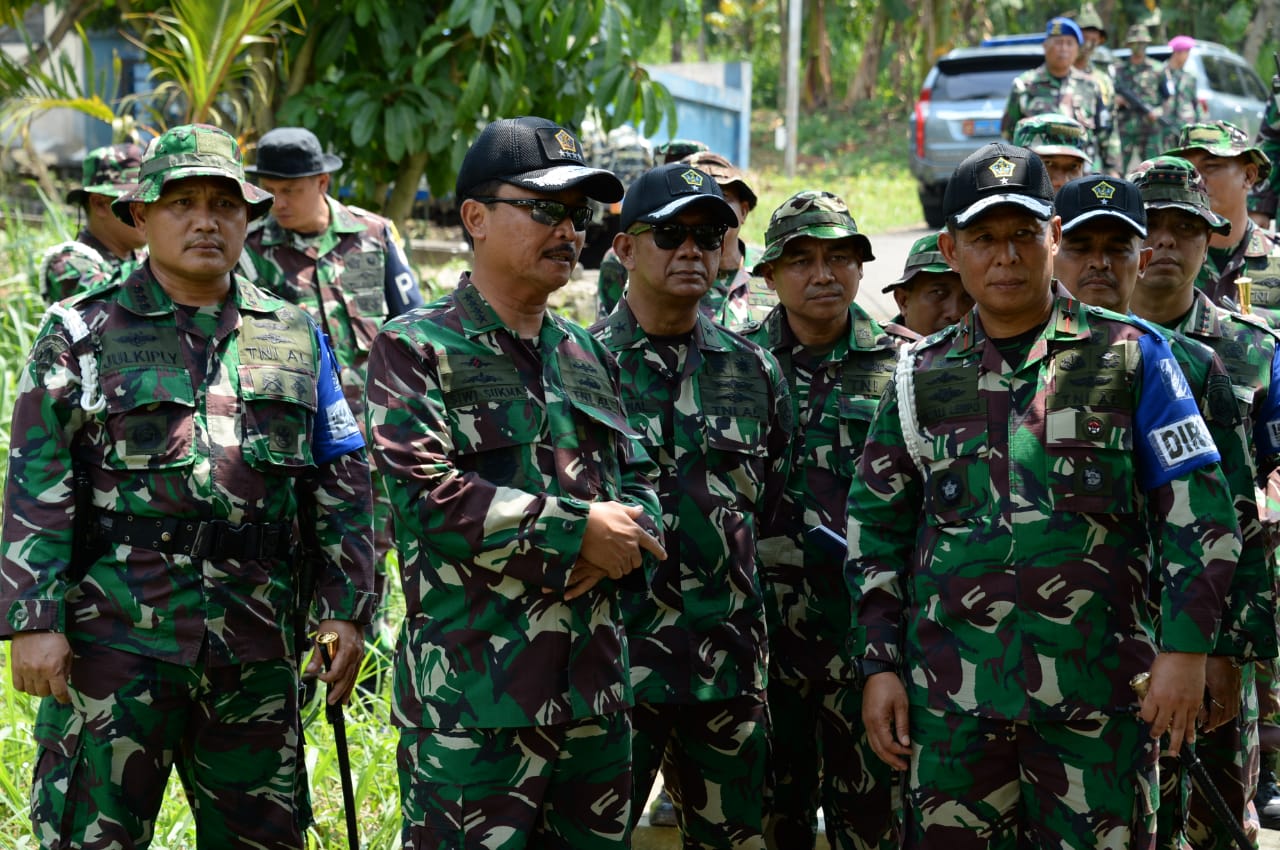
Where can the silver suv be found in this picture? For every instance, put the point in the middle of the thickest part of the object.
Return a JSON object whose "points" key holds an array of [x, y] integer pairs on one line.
{"points": [[959, 110], [964, 95]]}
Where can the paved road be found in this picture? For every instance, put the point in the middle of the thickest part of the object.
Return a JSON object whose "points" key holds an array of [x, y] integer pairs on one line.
{"points": [[891, 251]]}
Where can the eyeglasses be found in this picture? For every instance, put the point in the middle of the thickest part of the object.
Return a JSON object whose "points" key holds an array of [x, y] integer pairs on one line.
{"points": [[546, 212], [708, 237]]}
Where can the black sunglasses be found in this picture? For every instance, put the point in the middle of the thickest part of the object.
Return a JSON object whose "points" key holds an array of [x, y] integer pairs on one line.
{"points": [[708, 237], [546, 212]]}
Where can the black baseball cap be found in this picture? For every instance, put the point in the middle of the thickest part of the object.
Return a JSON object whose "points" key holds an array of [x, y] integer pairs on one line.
{"points": [[1097, 196], [535, 154], [663, 192], [289, 152], [994, 175]]}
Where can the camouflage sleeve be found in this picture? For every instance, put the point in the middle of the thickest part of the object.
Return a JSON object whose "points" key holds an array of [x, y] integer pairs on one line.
{"points": [[1012, 109], [1112, 160], [39, 499], [343, 496], [610, 283], [457, 515], [1266, 195], [1248, 618], [885, 504]]}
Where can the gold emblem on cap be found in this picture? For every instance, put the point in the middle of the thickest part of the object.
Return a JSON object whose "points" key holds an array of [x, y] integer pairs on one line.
{"points": [[1002, 169], [566, 140], [1104, 191], [1056, 29], [693, 178]]}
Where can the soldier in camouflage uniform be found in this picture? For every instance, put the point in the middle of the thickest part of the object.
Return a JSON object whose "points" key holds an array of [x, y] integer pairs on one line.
{"points": [[1057, 140], [735, 297], [106, 248], [172, 425], [1182, 107], [837, 361], [342, 264], [713, 411], [522, 507], [1091, 28], [929, 294], [1145, 81], [1016, 481], [1230, 167], [1180, 225], [674, 150], [1059, 87]]}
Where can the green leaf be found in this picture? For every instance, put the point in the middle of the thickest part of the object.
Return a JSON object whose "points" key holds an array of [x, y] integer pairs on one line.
{"points": [[364, 123], [475, 90], [482, 15]]}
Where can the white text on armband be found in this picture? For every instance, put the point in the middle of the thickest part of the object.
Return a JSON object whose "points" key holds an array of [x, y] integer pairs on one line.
{"points": [[1181, 442], [342, 422]]}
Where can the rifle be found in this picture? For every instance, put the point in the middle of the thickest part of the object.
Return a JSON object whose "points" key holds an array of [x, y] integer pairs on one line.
{"points": [[1138, 105]]}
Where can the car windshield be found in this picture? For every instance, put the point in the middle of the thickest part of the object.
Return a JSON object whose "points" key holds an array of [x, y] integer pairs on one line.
{"points": [[977, 85]]}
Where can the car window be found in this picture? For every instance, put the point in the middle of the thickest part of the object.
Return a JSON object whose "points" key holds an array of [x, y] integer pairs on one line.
{"points": [[1252, 85], [1218, 74], [977, 85]]}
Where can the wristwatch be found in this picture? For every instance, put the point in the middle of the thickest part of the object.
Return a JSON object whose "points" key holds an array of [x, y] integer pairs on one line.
{"points": [[868, 667]]}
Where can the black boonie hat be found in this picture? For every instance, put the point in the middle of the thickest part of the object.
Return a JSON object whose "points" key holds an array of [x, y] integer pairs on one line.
{"points": [[994, 175], [1097, 196], [663, 192], [288, 152], [535, 154]]}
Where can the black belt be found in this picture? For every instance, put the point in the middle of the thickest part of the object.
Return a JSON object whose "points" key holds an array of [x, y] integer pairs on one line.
{"points": [[209, 539]]}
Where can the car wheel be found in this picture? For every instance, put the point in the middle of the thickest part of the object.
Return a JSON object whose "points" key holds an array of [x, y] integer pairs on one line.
{"points": [[931, 204]]}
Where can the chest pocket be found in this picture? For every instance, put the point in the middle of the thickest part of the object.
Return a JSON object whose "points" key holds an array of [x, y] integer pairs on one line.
{"points": [[280, 406], [863, 383], [735, 407], [601, 428], [1089, 433], [150, 413], [493, 418], [363, 287], [953, 416]]}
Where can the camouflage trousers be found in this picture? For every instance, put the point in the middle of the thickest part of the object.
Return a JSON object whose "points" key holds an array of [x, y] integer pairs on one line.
{"points": [[559, 787], [1139, 141], [713, 757], [104, 759], [820, 756], [978, 783], [1231, 757]]}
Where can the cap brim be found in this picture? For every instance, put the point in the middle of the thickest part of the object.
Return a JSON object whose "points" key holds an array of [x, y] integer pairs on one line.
{"points": [[1042, 210], [1093, 215], [259, 201], [824, 232], [1217, 224], [598, 184], [907, 277], [329, 162], [724, 213], [110, 190], [1059, 150]]}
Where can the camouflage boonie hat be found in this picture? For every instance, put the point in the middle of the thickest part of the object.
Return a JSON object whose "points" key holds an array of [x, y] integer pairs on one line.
{"points": [[924, 257], [191, 150], [821, 215], [1171, 182], [1137, 34], [110, 171], [677, 149], [1051, 134], [1220, 139], [1089, 19], [724, 174]]}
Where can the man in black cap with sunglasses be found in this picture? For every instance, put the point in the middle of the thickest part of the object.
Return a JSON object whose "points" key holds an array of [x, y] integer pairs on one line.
{"points": [[343, 265], [522, 504], [713, 410]]}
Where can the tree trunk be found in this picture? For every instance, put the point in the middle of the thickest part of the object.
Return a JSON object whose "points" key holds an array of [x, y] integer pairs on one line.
{"points": [[817, 84], [863, 86], [1259, 30], [783, 70], [400, 204], [75, 10], [896, 63]]}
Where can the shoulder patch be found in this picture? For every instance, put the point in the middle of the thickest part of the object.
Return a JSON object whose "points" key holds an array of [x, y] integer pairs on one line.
{"points": [[48, 350]]}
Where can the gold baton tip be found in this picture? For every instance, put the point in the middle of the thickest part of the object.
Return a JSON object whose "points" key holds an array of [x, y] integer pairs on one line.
{"points": [[1141, 683], [326, 638]]}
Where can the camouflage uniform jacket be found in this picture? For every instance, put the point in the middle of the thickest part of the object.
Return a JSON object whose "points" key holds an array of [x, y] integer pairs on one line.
{"points": [[1250, 352], [1138, 134], [734, 299], [718, 428], [70, 268], [1005, 565], [833, 397], [350, 278], [1266, 195], [1259, 253], [231, 428], [1182, 106], [1036, 92], [493, 449]]}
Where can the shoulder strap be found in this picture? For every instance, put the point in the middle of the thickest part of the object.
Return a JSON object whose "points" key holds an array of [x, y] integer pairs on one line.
{"points": [[904, 383], [91, 398]]}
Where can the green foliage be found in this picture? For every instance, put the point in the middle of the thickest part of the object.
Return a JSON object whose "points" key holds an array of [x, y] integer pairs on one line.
{"points": [[399, 81], [202, 59], [28, 92]]}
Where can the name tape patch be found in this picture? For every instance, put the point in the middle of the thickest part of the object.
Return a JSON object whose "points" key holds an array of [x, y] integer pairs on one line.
{"points": [[1181, 442]]}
